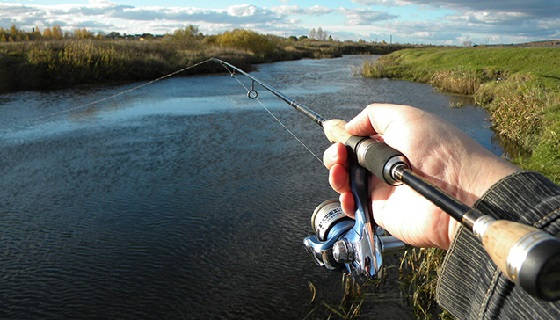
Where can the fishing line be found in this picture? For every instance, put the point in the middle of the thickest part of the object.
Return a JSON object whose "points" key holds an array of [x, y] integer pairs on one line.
{"points": [[120, 93], [256, 98], [252, 89], [251, 93]]}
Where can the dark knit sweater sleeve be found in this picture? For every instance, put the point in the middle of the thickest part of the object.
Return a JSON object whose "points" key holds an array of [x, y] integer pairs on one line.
{"points": [[470, 286]]}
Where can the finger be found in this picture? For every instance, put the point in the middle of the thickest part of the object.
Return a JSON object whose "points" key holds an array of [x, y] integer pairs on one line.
{"points": [[338, 178], [361, 125], [335, 154], [347, 203], [376, 119]]}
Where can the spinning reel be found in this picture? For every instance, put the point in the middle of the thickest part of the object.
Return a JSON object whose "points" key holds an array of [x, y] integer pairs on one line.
{"points": [[354, 245]]}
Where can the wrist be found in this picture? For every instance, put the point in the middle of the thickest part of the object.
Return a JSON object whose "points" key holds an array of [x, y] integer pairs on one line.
{"points": [[481, 171], [490, 172]]}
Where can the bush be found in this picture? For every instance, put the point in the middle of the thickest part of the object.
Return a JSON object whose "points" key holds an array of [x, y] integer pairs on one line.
{"points": [[246, 40], [457, 81], [186, 37]]}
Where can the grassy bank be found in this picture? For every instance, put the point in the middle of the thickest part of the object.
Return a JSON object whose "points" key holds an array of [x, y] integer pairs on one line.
{"points": [[520, 88], [47, 64]]}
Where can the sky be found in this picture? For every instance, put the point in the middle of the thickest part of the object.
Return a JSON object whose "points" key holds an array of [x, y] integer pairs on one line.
{"points": [[448, 22]]}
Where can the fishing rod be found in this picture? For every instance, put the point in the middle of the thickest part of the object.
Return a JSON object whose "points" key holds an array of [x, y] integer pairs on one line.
{"points": [[253, 93], [527, 256]]}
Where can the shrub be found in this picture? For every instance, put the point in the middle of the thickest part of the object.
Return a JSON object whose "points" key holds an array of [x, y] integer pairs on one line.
{"points": [[457, 81], [246, 40], [186, 37]]}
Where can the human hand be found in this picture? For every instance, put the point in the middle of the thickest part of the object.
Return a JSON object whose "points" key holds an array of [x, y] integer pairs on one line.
{"points": [[438, 152]]}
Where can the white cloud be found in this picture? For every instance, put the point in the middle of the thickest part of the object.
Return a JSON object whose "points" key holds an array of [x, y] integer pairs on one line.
{"points": [[496, 22], [287, 10], [534, 8], [365, 17], [318, 10], [124, 18], [382, 2], [242, 10], [315, 10], [100, 3]]}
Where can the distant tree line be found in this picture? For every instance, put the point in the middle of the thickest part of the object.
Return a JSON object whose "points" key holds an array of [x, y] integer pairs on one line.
{"points": [[49, 33], [190, 35], [319, 34], [55, 33]]}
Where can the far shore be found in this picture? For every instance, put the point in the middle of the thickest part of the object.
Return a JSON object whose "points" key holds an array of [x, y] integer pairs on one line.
{"points": [[56, 64]]}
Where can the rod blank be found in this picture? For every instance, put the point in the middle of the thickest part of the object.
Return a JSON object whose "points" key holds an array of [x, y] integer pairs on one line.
{"points": [[299, 107]]}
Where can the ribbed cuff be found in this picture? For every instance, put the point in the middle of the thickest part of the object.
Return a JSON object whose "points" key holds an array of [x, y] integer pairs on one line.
{"points": [[526, 197], [470, 286]]}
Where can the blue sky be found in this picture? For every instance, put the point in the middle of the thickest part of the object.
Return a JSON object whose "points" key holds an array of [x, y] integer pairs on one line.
{"points": [[415, 21]]}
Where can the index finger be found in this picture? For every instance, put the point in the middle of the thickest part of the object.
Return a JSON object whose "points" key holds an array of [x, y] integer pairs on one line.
{"points": [[335, 154], [377, 119]]}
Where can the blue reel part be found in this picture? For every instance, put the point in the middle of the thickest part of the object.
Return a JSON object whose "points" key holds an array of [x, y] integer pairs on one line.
{"points": [[341, 242]]}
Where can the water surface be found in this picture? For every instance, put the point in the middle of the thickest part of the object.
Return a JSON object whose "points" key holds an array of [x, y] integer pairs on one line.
{"points": [[181, 200]]}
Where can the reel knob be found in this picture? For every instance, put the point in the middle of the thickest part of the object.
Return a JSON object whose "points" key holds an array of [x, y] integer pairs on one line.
{"points": [[342, 243], [342, 252]]}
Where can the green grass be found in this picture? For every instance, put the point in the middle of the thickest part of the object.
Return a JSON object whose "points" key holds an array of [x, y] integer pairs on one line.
{"points": [[542, 62], [520, 88]]}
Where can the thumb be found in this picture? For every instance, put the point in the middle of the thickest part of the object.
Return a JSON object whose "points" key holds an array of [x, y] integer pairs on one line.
{"points": [[375, 119]]}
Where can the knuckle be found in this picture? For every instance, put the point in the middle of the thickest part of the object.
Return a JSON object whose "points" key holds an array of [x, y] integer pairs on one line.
{"points": [[371, 106]]}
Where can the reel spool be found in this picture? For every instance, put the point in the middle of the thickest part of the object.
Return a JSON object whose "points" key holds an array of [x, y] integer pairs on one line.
{"points": [[342, 243]]}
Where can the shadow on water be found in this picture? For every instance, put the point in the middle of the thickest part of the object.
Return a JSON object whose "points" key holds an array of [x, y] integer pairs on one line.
{"points": [[511, 149], [457, 101], [180, 200]]}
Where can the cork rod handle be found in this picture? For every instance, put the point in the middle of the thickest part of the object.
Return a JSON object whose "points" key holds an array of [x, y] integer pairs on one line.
{"points": [[527, 256], [335, 132]]}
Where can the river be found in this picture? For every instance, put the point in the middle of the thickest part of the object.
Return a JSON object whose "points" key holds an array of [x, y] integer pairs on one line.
{"points": [[180, 200]]}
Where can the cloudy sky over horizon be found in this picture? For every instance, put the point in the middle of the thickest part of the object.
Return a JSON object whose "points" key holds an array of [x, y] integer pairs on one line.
{"points": [[416, 21]]}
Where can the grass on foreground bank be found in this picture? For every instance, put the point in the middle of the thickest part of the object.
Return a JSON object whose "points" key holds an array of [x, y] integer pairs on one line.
{"points": [[47, 64], [520, 88]]}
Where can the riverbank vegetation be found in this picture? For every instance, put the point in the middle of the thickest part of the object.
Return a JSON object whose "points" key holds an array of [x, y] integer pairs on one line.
{"points": [[520, 88], [52, 59]]}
